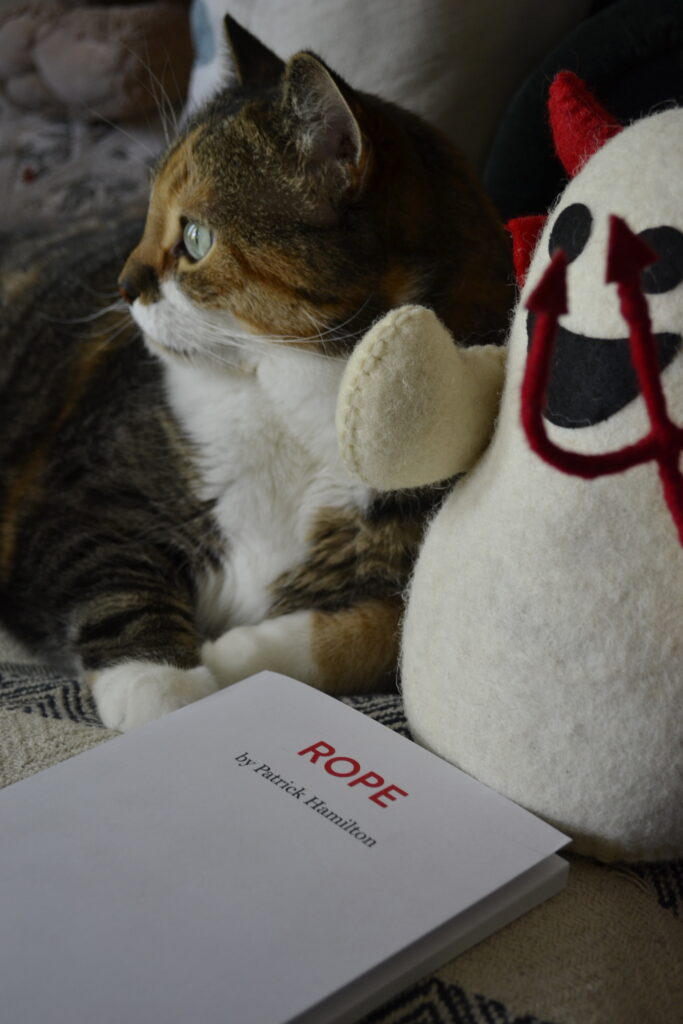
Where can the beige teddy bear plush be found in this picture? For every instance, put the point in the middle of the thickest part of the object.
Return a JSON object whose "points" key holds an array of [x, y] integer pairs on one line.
{"points": [[542, 648], [95, 60]]}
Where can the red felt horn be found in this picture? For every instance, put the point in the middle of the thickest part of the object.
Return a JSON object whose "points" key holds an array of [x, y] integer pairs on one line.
{"points": [[525, 232], [580, 125]]}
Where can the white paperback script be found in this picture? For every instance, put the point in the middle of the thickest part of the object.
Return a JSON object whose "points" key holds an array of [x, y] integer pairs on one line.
{"points": [[265, 855]]}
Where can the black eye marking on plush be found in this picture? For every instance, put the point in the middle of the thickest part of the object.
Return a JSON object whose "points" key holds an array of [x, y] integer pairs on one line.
{"points": [[571, 231], [591, 379], [667, 272]]}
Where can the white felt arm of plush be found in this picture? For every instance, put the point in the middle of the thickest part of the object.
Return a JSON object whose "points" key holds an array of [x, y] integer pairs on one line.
{"points": [[413, 407]]}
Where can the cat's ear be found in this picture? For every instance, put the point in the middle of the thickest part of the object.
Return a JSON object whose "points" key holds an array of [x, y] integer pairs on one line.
{"points": [[254, 64], [327, 132]]}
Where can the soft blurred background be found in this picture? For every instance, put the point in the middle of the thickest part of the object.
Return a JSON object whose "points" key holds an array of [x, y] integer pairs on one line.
{"points": [[91, 91]]}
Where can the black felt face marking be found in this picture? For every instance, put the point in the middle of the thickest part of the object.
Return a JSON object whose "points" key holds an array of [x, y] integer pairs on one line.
{"points": [[667, 272], [571, 231], [591, 379]]}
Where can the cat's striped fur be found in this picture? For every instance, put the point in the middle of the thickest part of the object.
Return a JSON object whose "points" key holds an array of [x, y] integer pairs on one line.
{"points": [[174, 513]]}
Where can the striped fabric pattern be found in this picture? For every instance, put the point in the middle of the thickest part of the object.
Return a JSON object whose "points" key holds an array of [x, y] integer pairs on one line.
{"points": [[46, 715]]}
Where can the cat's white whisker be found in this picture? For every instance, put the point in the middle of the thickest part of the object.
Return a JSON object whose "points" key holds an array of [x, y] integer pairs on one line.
{"points": [[118, 307], [161, 99], [339, 327], [154, 154], [210, 337], [99, 294], [174, 111]]}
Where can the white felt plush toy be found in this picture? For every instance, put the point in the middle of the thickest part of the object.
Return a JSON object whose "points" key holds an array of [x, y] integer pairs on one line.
{"points": [[542, 647]]}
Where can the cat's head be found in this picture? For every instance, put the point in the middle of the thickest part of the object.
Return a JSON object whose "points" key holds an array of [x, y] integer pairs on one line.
{"points": [[295, 208]]}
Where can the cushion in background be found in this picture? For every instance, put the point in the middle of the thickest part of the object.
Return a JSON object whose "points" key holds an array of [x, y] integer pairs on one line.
{"points": [[456, 62], [631, 56]]}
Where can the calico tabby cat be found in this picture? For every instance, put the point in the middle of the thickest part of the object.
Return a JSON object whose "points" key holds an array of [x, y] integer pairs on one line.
{"points": [[175, 515]]}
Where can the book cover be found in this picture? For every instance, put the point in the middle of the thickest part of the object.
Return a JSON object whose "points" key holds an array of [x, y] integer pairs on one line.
{"points": [[267, 855]]}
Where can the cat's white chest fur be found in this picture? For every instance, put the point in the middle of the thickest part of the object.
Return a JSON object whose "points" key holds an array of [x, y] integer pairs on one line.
{"points": [[267, 454]]}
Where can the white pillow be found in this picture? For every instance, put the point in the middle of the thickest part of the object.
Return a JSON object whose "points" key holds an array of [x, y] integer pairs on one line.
{"points": [[455, 63]]}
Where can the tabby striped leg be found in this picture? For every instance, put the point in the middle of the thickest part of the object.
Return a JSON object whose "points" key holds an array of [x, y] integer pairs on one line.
{"points": [[353, 650], [140, 653]]}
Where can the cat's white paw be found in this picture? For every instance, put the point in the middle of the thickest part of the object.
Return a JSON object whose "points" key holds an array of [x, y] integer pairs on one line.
{"points": [[135, 692], [235, 655], [282, 645]]}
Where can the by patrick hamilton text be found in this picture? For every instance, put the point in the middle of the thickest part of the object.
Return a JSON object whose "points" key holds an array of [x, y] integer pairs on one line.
{"points": [[308, 799]]}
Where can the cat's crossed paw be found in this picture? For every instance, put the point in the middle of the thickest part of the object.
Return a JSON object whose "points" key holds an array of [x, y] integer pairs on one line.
{"points": [[135, 692], [281, 644], [235, 655]]}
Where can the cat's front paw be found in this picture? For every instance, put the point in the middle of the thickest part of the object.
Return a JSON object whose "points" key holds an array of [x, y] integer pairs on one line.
{"points": [[282, 644], [135, 692], [235, 655]]}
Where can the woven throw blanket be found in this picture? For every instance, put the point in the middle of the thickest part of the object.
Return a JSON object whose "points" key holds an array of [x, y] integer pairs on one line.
{"points": [[608, 950]]}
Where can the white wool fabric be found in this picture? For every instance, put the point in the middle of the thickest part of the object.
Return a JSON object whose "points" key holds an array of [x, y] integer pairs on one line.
{"points": [[543, 645], [413, 406]]}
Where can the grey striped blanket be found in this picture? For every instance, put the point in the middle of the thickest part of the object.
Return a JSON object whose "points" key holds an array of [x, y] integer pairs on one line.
{"points": [[608, 950]]}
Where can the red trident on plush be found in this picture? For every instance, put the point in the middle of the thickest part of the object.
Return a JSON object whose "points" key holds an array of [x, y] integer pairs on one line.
{"points": [[627, 255]]}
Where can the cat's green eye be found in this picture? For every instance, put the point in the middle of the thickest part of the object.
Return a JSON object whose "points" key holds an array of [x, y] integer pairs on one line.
{"points": [[197, 240]]}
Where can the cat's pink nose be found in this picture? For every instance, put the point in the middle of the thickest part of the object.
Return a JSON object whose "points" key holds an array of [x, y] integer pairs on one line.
{"points": [[127, 291], [138, 280]]}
